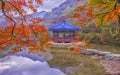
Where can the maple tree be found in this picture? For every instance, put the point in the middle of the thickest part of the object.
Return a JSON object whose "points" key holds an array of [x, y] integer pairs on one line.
{"points": [[21, 30], [105, 14], [107, 11], [83, 15], [100, 13]]}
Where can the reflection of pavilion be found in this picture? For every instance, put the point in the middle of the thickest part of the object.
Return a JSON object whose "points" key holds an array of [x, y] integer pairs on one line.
{"points": [[64, 32]]}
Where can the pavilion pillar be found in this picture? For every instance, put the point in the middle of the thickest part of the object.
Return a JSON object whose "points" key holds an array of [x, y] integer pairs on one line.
{"points": [[71, 35]]}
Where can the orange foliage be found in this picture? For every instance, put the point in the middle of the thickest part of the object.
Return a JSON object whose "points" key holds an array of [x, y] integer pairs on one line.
{"points": [[77, 46], [39, 1], [112, 14], [75, 50], [23, 37], [32, 34], [83, 14], [89, 12], [118, 9], [106, 18], [101, 37], [76, 15], [80, 8]]}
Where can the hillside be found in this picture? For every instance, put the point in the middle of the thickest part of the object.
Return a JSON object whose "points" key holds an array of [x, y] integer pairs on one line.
{"points": [[50, 18]]}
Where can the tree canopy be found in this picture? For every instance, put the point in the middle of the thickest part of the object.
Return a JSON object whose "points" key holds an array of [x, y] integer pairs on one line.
{"points": [[21, 30], [107, 11]]}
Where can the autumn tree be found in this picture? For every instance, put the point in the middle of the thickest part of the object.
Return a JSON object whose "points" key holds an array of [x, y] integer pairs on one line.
{"points": [[107, 12], [22, 29], [102, 13]]}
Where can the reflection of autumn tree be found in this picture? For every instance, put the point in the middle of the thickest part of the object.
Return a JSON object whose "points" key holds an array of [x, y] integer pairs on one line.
{"points": [[21, 31]]}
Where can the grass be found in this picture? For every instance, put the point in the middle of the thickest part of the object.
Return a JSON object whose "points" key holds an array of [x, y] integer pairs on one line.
{"points": [[59, 47], [112, 48], [89, 66]]}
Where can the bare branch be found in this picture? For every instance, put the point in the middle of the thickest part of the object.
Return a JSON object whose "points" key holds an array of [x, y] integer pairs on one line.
{"points": [[3, 11]]}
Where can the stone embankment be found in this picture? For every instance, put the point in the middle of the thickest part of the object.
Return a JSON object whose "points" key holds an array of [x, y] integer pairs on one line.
{"points": [[109, 60]]}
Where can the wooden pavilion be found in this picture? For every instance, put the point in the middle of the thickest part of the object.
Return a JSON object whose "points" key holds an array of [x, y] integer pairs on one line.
{"points": [[63, 32]]}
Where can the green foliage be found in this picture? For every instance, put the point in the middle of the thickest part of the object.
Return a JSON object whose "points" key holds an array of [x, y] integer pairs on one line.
{"points": [[102, 22], [82, 36], [101, 9], [92, 37], [112, 31], [106, 11]]}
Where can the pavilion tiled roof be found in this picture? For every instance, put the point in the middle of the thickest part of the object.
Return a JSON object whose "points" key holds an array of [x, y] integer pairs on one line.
{"points": [[64, 26]]}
